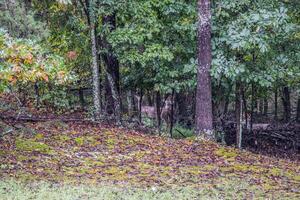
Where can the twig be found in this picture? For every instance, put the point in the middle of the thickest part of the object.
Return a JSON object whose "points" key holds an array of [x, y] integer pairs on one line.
{"points": [[180, 132]]}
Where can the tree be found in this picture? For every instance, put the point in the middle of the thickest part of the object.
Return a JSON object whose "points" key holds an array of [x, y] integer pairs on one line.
{"points": [[112, 67], [204, 117], [89, 11]]}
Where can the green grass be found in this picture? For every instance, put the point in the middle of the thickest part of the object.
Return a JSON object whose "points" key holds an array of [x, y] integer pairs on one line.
{"points": [[14, 190]]}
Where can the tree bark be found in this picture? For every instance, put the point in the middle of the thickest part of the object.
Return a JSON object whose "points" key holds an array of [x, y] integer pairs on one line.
{"points": [[276, 104], [95, 64], [37, 94], [158, 111], [261, 106], [112, 67], [204, 116], [239, 114], [116, 97], [129, 104], [149, 98], [266, 106], [245, 106], [172, 113], [81, 98], [298, 110], [286, 103], [140, 105], [252, 106]]}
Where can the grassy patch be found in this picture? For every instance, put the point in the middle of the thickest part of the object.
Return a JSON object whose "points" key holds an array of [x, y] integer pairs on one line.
{"points": [[230, 189], [30, 145], [227, 153], [85, 140], [62, 138], [79, 141], [2, 153], [39, 136]]}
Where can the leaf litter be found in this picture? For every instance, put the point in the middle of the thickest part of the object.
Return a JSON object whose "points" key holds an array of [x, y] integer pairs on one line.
{"points": [[94, 153]]}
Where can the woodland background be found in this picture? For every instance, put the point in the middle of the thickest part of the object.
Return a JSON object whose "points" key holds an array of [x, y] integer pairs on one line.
{"points": [[71, 66]]}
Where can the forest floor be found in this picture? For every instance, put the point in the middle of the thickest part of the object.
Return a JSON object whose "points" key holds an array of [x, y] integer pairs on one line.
{"points": [[56, 160]]}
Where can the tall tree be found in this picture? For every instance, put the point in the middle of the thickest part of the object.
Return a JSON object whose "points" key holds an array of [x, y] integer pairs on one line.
{"points": [[89, 11], [112, 67], [204, 116]]}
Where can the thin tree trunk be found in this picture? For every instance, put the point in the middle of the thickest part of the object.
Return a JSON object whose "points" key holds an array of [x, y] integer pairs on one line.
{"points": [[81, 98], [149, 98], [158, 111], [245, 106], [96, 74], [227, 101], [266, 106], [204, 116], [172, 113], [37, 94], [286, 103], [298, 110], [252, 106], [239, 114], [140, 105], [134, 103], [130, 104], [261, 106], [276, 105], [95, 64], [116, 97]]}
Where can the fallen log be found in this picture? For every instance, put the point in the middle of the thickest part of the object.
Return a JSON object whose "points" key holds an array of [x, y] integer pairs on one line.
{"points": [[42, 119]]}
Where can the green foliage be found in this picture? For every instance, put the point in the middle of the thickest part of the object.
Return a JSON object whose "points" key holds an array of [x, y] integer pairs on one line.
{"points": [[22, 22], [26, 62], [182, 132], [254, 45]]}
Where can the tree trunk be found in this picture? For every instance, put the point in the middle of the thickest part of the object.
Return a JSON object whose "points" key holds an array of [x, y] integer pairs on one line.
{"points": [[37, 94], [298, 110], [134, 103], [112, 67], [183, 108], [286, 103], [140, 105], [261, 106], [266, 106], [158, 111], [276, 105], [116, 97], [245, 106], [227, 101], [95, 64], [81, 98], [204, 116], [172, 113], [239, 114], [130, 104], [252, 106], [149, 98]]}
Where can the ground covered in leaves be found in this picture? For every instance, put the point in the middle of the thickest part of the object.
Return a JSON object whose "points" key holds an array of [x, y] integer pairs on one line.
{"points": [[93, 154]]}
